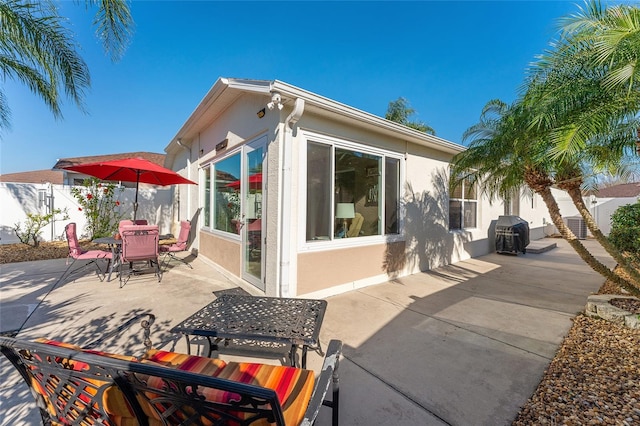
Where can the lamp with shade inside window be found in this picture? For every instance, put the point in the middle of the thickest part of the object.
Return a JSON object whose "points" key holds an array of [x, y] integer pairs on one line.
{"points": [[345, 211]]}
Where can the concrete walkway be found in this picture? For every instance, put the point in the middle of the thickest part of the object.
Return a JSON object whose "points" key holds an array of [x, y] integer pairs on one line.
{"points": [[465, 344]]}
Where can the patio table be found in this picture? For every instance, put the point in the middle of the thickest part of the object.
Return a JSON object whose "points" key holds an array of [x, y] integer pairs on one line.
{"points": [[114, 244], [295, 322]]}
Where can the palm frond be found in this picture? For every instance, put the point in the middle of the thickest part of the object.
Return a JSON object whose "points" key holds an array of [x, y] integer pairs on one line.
{"points": [[38, 50], [114, 26]]}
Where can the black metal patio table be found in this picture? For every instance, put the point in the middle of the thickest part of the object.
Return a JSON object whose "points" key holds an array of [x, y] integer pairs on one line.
{"points": [[291, 321]]}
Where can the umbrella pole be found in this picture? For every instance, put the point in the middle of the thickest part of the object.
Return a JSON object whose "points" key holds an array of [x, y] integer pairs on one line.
{"points": [[135, 203]]}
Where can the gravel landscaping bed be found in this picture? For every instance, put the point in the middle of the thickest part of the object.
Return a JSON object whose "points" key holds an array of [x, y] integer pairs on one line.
{"points": [[631, 305], [594, 379]]}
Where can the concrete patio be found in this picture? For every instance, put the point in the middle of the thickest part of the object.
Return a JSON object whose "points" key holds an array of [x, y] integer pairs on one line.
{"points": [[465, 344]]}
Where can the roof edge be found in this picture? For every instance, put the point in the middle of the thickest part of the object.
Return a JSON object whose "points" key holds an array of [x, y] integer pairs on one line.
{"points": [[287, 90], [363, 116]]}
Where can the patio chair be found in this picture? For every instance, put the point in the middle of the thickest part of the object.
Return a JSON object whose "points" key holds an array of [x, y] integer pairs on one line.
{"points": [[169, 250], [89, 257], [139, 243], [127, 222]]}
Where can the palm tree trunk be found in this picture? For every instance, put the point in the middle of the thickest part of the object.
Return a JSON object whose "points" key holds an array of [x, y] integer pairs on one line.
{"points": [[584, 254], [576, 197]]}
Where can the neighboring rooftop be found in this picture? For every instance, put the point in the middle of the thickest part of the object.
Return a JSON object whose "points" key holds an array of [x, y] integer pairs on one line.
{"points": [[36, 176], [624, 190], [154, 157], [57, 175]]}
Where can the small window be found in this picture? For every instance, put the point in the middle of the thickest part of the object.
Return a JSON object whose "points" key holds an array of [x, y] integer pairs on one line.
{"points": [[463, 206], [392, 195]]}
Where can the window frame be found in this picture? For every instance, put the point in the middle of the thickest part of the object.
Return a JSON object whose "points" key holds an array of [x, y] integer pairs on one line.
{"points": [[333, 143], [212, 211], [464, 200]]}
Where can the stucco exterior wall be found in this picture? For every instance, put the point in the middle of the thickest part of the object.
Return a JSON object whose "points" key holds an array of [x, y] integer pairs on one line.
{"points": [[238, 124], [349, 268], [426, 241], [221, 251]]}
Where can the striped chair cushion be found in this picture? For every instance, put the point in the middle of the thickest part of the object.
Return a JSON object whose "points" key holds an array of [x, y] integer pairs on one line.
{"points": [[293, 386], [192, 363]]}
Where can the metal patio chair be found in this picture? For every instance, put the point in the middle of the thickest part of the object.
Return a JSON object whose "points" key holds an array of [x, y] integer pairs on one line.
{"points": [[139, 244], [88, 257], [180, 245]]}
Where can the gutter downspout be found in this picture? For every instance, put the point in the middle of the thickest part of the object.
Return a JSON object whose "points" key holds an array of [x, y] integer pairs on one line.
{"points": [[284, 225], [188, 148]]}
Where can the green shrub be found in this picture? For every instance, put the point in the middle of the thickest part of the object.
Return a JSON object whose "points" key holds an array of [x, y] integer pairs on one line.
{"points": [[100, 204], [34, 224], [625, 230]]}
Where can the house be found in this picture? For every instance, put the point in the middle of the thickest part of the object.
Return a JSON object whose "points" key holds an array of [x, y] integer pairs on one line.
{"points": [[300, 195], [623, 190], [34, 176]]}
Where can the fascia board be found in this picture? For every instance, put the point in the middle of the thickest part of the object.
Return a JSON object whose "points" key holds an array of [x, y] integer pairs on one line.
{"points": [[256, 86]]}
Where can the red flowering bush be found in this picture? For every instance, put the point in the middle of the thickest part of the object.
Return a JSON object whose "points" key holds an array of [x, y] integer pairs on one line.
{"points": [[100, 205]]}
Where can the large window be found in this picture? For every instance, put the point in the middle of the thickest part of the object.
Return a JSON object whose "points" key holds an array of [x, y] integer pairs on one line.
{"points": [[463, 206], [350, 192]]}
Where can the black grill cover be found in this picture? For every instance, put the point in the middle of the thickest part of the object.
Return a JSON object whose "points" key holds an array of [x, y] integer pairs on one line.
{"points": [[512, 234]]}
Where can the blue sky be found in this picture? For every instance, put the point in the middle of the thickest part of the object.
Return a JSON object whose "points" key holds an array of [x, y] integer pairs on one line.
{"points": [[447, 58]]}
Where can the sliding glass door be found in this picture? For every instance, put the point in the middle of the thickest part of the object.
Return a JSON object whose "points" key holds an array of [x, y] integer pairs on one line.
{"points": [[252, 202]]}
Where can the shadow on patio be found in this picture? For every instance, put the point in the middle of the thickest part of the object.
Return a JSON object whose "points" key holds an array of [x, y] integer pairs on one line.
{"points": [[463, 344]]}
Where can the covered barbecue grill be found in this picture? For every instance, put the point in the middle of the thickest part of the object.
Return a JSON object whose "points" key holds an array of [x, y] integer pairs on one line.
{"points": [[512, 234]]}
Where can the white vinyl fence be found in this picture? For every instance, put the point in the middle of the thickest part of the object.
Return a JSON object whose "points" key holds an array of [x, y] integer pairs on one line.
{"points": [[600, 208], [18, 199]]}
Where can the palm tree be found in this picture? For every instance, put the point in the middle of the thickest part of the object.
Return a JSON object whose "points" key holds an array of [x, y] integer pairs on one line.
{"points": [[505, 154], [400, 111], [39, 51], [589, 116]]}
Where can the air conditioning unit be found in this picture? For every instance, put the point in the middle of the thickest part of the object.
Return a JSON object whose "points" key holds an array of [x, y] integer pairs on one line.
{"points": [[577, 225]]}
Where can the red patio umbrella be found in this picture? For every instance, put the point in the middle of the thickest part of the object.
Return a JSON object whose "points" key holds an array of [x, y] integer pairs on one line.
{"points": [[255, 182], [131, 170]]}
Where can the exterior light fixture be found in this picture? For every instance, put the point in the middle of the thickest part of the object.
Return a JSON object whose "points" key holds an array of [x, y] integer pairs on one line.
{"points": [[260, 113], [276, 101]]}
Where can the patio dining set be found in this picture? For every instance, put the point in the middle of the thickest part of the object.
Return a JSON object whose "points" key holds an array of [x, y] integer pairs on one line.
{"points": [[73, 383], [135, 244], [83, 385]]}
